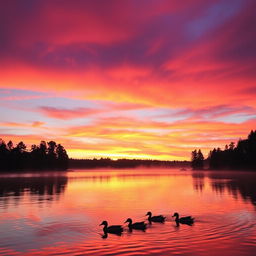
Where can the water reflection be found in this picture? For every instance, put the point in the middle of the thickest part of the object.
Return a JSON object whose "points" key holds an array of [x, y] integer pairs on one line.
{"points": [[235, 183], [59, 214], [198, 180], [40, 188]]}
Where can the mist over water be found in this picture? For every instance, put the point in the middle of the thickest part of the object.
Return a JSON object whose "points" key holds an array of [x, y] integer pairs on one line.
{"points": [[59, 213]]}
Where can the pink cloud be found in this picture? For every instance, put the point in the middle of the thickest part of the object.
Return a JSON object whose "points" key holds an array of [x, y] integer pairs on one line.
{"points": [[35, 124], [197, 57], [65, 114]]}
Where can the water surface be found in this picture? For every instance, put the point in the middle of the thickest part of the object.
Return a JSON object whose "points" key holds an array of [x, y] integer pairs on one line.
{"points": [[59, 213]]}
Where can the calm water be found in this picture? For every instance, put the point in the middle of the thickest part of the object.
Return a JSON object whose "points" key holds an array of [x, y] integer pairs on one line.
{"points": [[60, 213]]}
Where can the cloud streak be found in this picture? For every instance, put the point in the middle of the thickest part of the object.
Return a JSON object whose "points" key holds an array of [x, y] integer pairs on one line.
{"points": [[149, 69], [67, 113]]}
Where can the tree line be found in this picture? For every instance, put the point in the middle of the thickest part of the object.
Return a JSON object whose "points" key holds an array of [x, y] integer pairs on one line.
{"points": [[124, 163], [46, 155], [240, 156]]}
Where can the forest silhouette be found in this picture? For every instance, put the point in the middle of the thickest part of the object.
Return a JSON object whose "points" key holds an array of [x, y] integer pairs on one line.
{"points": [[53, 156], [50, 155], [46, 155], [240, 156]]}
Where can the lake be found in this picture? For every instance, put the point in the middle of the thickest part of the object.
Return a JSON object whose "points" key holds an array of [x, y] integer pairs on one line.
{"points": [[58, 213]]}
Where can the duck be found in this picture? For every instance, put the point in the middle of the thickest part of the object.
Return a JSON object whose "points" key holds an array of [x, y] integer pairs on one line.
{"points": [[158, 218], [137, 225], [183, 220], [115, 229]]}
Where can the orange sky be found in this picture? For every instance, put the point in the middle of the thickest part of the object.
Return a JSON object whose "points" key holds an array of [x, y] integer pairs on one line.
{"points": [[144, 79]]}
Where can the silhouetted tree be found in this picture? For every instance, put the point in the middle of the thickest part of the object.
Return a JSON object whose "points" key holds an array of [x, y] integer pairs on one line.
{"points": [[43, 154], [194, 159], [10, 145], [197, 159], [200, 159], [62, 156], [4, 155], [52, 156], [232, 146]]}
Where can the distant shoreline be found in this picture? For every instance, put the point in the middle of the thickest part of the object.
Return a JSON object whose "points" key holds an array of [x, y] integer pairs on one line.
{"points": [[124, 163]]}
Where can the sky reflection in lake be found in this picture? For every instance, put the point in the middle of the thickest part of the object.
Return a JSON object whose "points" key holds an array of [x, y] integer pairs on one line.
{"points": [[60, 213]]}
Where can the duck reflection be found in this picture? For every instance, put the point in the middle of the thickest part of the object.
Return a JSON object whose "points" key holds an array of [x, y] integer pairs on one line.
{"points": [[104, 236]]}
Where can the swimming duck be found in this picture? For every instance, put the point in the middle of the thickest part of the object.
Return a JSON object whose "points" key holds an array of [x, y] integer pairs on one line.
{"points": [[115, 229], [137, 225], [184, 220], [158, 218]]}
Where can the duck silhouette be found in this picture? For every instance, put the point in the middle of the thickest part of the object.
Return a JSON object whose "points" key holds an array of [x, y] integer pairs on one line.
{"points": [[115, 229], [137, 225], [158, 218], [183, 220]]}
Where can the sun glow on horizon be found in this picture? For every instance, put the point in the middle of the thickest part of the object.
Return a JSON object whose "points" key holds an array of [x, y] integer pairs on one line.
{"points": [[84, 154], [147, 80]]}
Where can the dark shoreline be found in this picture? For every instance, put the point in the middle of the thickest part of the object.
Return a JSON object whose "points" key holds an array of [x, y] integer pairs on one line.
{"points": [[125, 163]]}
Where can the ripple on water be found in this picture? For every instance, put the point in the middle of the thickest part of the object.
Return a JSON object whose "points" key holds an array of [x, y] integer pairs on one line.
{"points": [[49, 225], [167, 238]]}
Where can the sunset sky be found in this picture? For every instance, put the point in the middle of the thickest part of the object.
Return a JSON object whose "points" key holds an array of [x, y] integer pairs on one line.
{"points": [[128, 78]]}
